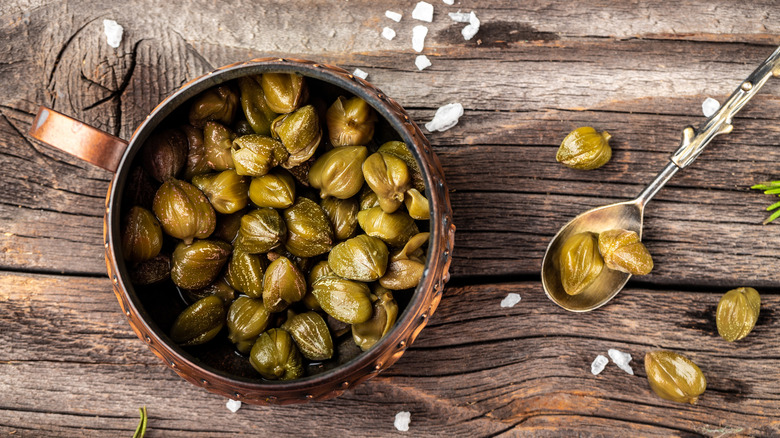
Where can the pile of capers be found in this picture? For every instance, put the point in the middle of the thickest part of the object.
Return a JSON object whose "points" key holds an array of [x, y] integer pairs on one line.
{"points": [[280, 220]]}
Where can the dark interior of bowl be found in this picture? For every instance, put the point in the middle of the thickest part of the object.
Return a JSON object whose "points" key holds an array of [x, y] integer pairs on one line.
{"points": [[162, 302]]}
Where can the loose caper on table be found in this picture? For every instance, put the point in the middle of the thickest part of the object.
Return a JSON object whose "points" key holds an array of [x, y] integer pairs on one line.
{"points": [[279, 222]]}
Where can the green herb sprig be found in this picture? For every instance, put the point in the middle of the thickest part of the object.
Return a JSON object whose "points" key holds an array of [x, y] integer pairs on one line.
{"points": [[770, 188], [140, 431]]}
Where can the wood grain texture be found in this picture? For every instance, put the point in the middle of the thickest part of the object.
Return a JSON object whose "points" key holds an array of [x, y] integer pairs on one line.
{"points": [[477, 369], [70, 364]]}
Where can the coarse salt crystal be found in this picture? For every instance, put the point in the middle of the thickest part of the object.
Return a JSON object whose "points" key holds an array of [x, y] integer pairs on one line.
{"points": [[460, 17], [422, 62], [472, 28], [449, 2], [423, 12], [395, 16], [445, 118], [710, 106], [388, 33], [233, 405], [598, 364], [113, 32], [360, 73], [402, 421], [418, 38], [510, 300], [621, 360]]}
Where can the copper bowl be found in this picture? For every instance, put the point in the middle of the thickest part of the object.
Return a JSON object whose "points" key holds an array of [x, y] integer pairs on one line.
{"points": [[116, 155]]}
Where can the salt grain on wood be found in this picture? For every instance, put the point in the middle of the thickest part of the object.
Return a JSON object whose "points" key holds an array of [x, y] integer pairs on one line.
{"points": [[113, 32], [360, 73], [233, 405], [422, 62], [510, 300], [472, 28], [445, 118], [460, 17], [395, 16], [388, 33], [621, 360], [449, 2], [418, 38], [402, 421], [423, 12], [598, 364], [710, 106]]}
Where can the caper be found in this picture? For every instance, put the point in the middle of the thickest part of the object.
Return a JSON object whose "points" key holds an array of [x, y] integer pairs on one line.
{"points": [[199, 323], [246, 319], [220, 288], [218, 103], [321, 269], [197, 163], [584, 148], [228, 226], [311, 334], [388, 176], [256, 155], [218, 142], [275, 356], [417, 205], [227, 191], [283, 284], [350, 122], [580, 262], [737, 313], [261, 230], [245, 273], [338, 172], [151, 271], [400, 150], [141, 235], [362, 258], [284, 92], [674, 377], [196, 265], [309, 232], [623, 251], [385, 312], [406, 266], [184, 211], [343, 216], [300, 134], [345, 300], [256, 109], [394, 228], [164, 153], [368, 198], [275, 189]]}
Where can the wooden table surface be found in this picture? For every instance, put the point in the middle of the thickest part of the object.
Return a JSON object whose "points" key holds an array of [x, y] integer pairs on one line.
{"points": [[71, 366]]}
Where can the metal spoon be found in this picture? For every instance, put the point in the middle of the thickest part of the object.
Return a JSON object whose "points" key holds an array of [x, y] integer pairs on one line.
{"points": [[628, 215]]}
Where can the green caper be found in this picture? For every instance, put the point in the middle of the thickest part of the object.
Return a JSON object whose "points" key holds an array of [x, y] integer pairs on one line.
{"points": [[350, 122], [164, 153], [585, 149], [245, 273], [400, 150], [623, 251], [283, 284], [275, 356], [218, 103], [674, 377], [141, 235], [227, 191], [345, 300], [406, 265], [321, 269], [300, 134], [197, 163], [246, 319], [275, 189], [368, 199], [184, 211], [311, 334], [309, 232], [261, 230], [256, 109], [394, 228], [196, 265], [580, 262], [343, 216], [362, 258], [199, 323], [256, 155], [417, 205], [388, 176], [385, 312], [338, 172], [217, 143], [284, 92], [737, 313]]}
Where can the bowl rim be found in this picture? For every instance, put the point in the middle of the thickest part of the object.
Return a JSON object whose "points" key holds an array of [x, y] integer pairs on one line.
{"points": [[409, 323]]}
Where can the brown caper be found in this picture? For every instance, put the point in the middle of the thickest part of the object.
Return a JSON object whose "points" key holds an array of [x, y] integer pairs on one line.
{"points": [[584, 148], [165, 153], [737, 313], [197, 163]]}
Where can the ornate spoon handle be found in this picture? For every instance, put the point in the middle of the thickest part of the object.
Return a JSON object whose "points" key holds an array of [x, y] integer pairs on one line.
{"points": [[694, 141]]}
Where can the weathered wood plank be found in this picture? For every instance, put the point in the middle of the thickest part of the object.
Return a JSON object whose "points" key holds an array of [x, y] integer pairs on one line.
{"points": [[477, 369]]}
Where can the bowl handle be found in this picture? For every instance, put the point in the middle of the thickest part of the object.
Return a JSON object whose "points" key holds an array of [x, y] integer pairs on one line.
{"points": [[78, 139]]}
